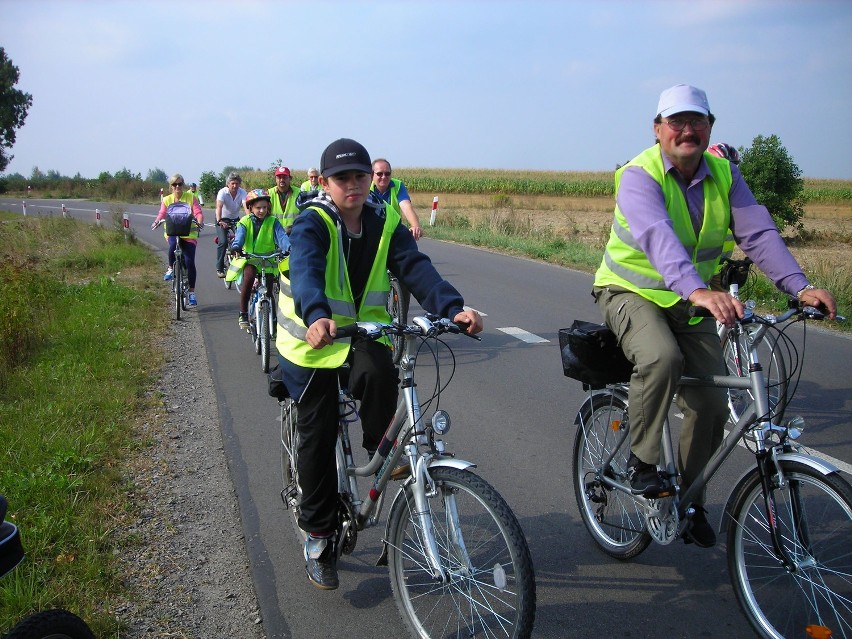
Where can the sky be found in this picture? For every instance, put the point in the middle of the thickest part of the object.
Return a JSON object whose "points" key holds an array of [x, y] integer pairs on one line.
{"points": [[191, 86]]}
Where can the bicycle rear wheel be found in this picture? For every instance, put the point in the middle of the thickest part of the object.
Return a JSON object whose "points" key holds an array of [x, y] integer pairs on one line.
{"points": [[490, 590], [613, 518], [263, 317], [774, 370], [814, 518], [398, 310], [291, 494]]}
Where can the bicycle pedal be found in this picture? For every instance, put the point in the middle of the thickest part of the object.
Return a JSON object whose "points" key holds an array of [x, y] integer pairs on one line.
{"points": [[655, 493]]}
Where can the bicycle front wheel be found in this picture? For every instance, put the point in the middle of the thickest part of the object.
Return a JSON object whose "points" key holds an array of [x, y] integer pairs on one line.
{"points": [[263, 334], [398, 310], [490, 587], [291, 494], [51, 624], [227, 263], [613, 518], [774, 370], [813, 513], [178, 288]]}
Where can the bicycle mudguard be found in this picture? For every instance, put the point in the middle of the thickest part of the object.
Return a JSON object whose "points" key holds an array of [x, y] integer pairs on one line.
{"points": [[11, 550], [448, 462], [619, 391], [819, 465]]}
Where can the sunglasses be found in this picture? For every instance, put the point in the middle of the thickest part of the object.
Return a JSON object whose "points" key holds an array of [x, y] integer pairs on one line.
{"points": [[178, 184], [382, 174]]}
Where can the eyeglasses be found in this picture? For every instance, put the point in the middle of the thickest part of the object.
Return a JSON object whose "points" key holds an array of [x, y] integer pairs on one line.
{"points": [[696, 124], [381, 174], [177, 184]]}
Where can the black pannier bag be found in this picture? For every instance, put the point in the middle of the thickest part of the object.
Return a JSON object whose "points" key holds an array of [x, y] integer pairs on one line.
{"points": [[179, 219], [591, 354]]}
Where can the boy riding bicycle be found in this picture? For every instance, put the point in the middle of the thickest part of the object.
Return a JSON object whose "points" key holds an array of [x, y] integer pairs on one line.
{"points": [[257, 232], [343, 245]]}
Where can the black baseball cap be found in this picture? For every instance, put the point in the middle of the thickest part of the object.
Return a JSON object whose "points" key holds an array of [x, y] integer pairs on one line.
{"points": [[344, 155]]}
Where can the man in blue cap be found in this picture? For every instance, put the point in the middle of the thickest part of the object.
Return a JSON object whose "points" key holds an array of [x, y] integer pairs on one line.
{"points": [[674, 206]]}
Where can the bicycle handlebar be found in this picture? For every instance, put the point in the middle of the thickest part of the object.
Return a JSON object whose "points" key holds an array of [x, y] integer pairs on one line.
{"points": [[428, 325], [796, 308], [277, 255]]}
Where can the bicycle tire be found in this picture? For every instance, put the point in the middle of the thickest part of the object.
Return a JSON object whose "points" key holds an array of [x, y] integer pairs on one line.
{"points": [[491, 591], [253, 325], [263, 333], [397, 307], [613, 518], [774, 369], [178, 288], [291, 494], [51, 624], [777, 602]]}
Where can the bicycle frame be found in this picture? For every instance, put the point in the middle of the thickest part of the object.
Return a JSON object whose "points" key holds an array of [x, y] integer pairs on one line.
{"points": [[407, 421], [754, 418]]}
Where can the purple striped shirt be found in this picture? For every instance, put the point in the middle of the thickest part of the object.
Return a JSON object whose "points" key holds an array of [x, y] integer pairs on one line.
{"points": [[641, 201]]}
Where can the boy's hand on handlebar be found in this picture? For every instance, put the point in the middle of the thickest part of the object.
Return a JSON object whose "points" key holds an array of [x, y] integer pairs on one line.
{"points": [[321, 333], [725, 308], [472, 321], [821, 299]]}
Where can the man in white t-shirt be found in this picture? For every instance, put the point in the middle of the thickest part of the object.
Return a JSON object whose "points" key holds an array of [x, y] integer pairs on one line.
{"points": [[230, 207]]}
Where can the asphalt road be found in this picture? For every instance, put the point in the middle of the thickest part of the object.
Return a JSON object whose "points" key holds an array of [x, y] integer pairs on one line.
{"points": [[513, 414]]}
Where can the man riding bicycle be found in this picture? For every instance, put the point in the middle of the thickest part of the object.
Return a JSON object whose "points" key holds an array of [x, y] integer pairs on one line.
{"points": [[674, 206]]}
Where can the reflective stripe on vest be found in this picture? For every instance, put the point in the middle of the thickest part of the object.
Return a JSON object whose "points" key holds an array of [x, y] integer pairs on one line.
{"points": [[288, 214], [624, 264], [291, 342], [185, 197]]}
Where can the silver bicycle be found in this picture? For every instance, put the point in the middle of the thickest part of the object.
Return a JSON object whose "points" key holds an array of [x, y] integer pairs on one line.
{"points": [[459, 562], [788, 520]]}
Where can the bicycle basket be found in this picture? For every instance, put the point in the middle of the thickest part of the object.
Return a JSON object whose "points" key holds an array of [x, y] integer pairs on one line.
{"points": [[591, 354], [178, 219]]}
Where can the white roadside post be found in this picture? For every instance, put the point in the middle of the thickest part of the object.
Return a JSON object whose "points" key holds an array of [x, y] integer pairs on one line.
{"points": [[98, 217], [24, 206], [126, 224], [434, 215], [64, 211]]}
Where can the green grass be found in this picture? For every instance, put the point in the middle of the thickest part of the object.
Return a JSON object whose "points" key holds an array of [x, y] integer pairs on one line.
{"points": [[90, 312]]}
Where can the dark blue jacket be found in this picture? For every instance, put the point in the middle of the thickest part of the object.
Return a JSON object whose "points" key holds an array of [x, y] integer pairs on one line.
{"points": [[310, 240]]}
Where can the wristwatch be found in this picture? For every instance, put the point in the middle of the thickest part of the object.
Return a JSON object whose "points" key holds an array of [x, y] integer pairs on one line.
{"points": [[809, 287]]}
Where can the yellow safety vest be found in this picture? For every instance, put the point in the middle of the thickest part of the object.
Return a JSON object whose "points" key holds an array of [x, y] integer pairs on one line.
{"points": [[394, 194], [187, 197], [624, 263], [287, 215], [291, 343]]}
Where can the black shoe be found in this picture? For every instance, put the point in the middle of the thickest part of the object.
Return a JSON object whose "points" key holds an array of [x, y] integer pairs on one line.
{"points": [[700, 532], [321, 563], [644, 478]]}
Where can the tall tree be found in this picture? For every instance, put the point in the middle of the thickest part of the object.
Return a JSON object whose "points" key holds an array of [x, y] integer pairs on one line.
{"points": [[14, 105]]}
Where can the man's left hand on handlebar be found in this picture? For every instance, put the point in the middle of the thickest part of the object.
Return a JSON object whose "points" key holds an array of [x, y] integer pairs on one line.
{"points": [[821, 299]]}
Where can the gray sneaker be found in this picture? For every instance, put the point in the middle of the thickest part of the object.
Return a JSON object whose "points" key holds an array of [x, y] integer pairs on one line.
{"points": [[321, 563]]}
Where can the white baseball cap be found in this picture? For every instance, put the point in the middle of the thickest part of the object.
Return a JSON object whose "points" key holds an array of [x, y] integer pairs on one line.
{"points": [[680, 98]]}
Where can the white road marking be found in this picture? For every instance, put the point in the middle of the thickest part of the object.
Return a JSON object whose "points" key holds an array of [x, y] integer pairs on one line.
{"points": [[524, 336]]}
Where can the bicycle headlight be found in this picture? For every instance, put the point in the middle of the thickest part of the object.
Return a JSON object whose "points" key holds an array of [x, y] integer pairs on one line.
{"points": [[795, 426], [441, 422]]}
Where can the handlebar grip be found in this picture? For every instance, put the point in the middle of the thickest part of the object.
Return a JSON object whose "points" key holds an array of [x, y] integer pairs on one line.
{"points": [[350, 330]]}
